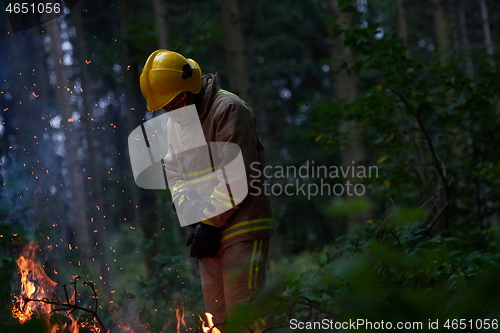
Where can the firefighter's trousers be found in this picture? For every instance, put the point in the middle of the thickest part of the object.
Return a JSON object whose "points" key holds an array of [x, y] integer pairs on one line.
{"points": [[233, 276]]}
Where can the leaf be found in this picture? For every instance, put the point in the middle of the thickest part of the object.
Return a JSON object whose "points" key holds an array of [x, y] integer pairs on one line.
{"points": [[389, 138], [383, 158], [353, 206], [406, 215]]}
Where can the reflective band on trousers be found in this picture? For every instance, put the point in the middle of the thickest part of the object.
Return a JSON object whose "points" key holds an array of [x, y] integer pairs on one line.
{"points": [[253, 270], [247, 226]]}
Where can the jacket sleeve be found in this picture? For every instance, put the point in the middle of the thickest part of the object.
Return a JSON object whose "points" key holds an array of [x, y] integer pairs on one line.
{"points": [[176, 182], [235, 124]]}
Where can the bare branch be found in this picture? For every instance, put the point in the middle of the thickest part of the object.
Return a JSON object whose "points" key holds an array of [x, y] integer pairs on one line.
{"points": [[69, 307], [438, 164], [433, 223], [309, 303], [198, 28]]}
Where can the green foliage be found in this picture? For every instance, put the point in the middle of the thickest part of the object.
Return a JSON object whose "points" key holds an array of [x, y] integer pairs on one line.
{"points": [[341, 207], [424, 123], [395, 276]]}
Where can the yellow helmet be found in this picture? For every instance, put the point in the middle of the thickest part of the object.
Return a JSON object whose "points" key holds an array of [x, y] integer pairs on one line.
{"points": [[167, 74]]}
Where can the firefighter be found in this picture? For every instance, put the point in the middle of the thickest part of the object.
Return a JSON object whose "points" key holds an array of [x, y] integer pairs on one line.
{"points": [[232, 247]]}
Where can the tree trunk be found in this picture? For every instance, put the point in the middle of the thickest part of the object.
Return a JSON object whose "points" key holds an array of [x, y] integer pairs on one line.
{"points": [[346, 88], [488, 43], [97, 206], [135, 105], [16, 118], [160, 11], [462, 23], [235, 50], [74, 177], [143, 201], [403, 31], [452, 12], [442, 30], [23, 120]]}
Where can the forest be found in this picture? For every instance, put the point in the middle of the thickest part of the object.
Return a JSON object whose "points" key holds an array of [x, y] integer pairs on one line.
{"points": [[379, 120]]}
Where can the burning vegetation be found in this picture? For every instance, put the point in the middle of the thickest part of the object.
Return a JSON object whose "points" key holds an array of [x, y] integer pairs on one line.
{"points": [[38, 297]]}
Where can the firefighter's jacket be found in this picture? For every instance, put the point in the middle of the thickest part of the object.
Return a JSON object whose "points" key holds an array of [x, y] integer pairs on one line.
{"points": [[205, 169]]}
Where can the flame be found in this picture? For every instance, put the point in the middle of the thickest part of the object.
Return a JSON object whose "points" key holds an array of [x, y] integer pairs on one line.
{"points": [[180, 319], [73, 327], [37, 289], [131, 324], [35, 285], [210, 328]]}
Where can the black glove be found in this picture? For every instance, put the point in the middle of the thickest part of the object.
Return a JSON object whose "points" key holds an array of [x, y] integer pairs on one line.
{"points": [[204, 241], [192, 210]]}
